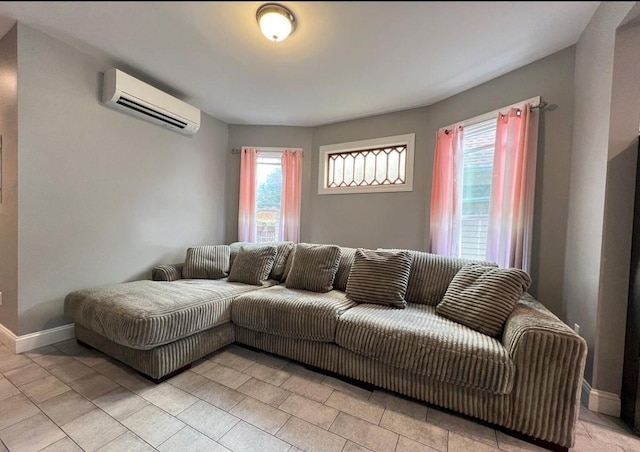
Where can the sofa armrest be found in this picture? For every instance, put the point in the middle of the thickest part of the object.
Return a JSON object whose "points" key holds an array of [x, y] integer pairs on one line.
{"points": [[170, 272], [550, 359]]}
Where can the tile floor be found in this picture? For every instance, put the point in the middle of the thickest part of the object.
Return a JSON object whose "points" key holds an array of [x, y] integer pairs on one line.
{"points": [[69, 398]]}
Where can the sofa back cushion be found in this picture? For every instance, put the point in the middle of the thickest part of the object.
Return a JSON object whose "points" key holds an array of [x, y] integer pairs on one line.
{"points": [[344, 268], [379, 277], [483, 297], [253, 264], [431, 275], [283, 251], [313, 267], [206, 262]]}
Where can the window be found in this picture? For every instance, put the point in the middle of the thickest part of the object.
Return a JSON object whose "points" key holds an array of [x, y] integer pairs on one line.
{"points": [[478, 146], [268, 196], [381, 164]]}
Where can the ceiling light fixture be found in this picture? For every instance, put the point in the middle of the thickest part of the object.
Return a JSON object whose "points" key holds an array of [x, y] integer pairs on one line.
{"points": [[276, 21]]}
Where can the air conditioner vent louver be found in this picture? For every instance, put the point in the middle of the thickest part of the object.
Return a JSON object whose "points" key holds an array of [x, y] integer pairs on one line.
{"points": [[130, 95]]}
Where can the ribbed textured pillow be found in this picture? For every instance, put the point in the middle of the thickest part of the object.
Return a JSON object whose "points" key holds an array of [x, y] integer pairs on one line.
{"points": [[344, 268], [313, 267], [379, 277], [482, 297], [252, 265], [284, 251], [206, 262]]}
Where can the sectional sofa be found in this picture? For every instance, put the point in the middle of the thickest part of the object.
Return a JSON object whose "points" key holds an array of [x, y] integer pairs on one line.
{"points": [[523, 373]]}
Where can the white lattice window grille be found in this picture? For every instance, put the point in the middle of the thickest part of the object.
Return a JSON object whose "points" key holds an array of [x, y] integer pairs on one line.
{"points": [[377, 165]]}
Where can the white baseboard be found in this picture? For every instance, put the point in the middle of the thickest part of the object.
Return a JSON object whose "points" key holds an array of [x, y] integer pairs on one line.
{"points": [[27, 342], [600, 401]]}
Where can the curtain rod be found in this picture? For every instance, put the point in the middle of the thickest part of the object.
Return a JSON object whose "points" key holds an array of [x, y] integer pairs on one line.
{"points": [[236, 151]]}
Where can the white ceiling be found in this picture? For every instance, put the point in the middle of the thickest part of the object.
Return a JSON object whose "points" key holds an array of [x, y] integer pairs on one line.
{"points": [[345, 60]]}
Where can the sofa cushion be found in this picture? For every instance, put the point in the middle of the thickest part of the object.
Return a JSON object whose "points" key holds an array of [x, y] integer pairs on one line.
{"points": [[291, 313], [419, 340], [206, 262], [253, 265], [314, 267], [347, 256], [431, 274], [379, 277], [146, 314], [284, 250], [483, 297]]}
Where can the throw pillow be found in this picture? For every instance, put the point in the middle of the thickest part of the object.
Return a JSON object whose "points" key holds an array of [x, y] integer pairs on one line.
{"points": [[284, 251], [253, 265], [379, 277], [482, 297], [313, 267], [344, 268], [206, 262]]}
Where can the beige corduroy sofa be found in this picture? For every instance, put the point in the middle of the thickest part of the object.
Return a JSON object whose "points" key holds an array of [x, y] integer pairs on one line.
{"points": [[528, 380]]}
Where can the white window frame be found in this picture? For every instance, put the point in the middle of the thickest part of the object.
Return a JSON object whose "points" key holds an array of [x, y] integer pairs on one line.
{"points": [[407, 140]]}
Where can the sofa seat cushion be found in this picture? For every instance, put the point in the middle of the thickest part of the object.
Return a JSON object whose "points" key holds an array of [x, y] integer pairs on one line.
{"points": [[146, 314], [419, 340], [292, 313]]}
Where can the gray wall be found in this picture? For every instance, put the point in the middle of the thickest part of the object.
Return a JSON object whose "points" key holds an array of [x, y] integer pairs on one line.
{"points": [[9, 205], [103, 196], [266, 136], [401, 219], [584, 299]]}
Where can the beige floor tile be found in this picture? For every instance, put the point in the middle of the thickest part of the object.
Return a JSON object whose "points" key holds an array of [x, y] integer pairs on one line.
{"points": [[40, 351], [584, 444], [120, 403], [153, 425], [188, 381], [510, 444], [265, 392], [44, 389], [301, 371], [125, 376], [126, 442], [355, 406], [307, 388], [462, 425], [409, 445], [208, 419], [15, 409], [346, 388], [260, 414], [364, 433], [170, 399], [85, 355], [393, 402], [190, 440], [353, 447], [26, 374], [13, 362], [71, 371], [580, 429], [625, 439], [227, 376], [421, 431], [202, 366], [7, 389], [232, 359], [247, 438], [602, 419], [260, 357], [310, 438], [460, 443], [53, 359], [34, 433], [94, 385], [309, 410], [269, 374], [218, 395], [63, 445], [93, 430], [66, 407]]}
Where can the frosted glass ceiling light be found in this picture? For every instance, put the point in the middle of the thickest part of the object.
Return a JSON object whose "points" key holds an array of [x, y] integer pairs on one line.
{"points": [[276, 21]]}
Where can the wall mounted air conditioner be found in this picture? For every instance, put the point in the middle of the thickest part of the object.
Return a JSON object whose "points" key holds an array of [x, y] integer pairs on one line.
{"points": [[126, 93]]}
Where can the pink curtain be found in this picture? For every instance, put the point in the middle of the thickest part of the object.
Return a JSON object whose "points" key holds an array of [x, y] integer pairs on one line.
{"points": [[446, 193], [512, 189], [291, 194], [247, 205]]}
